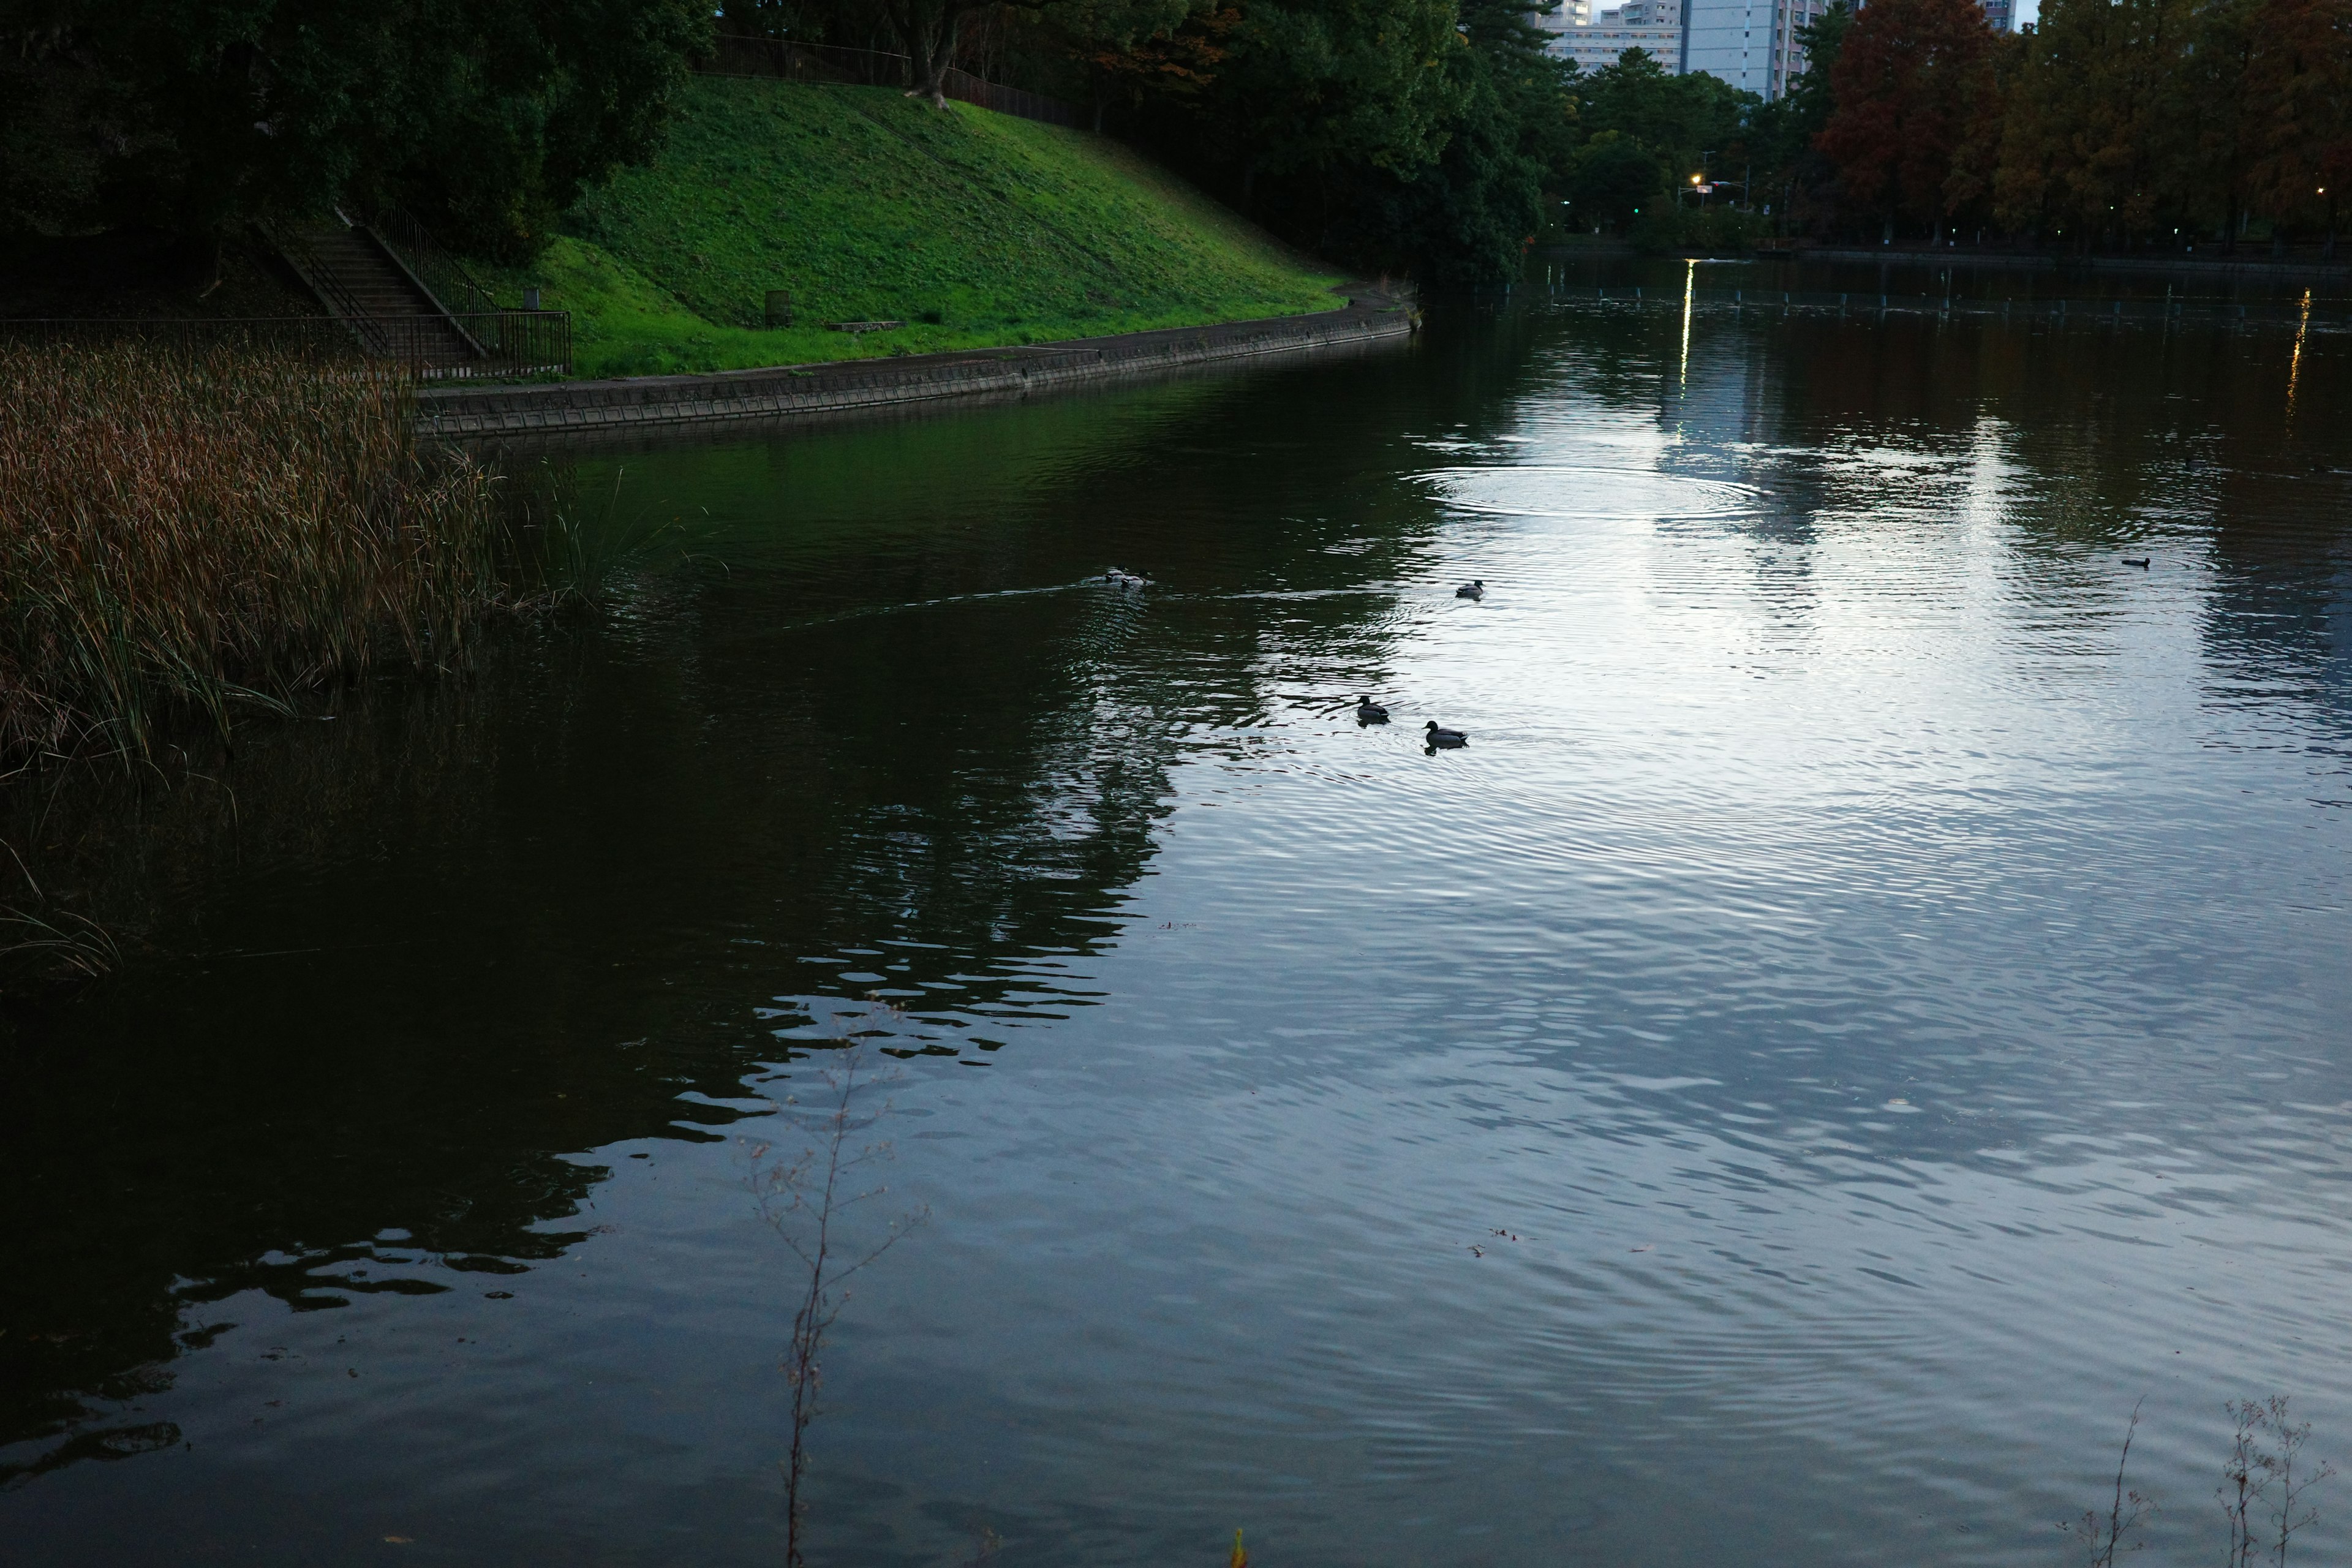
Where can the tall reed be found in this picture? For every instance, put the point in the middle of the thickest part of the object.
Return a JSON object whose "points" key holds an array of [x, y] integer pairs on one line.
{"points": [[187, 529]]}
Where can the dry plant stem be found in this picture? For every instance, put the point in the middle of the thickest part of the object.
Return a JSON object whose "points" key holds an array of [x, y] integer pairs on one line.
{"points": [[197, 529], [804, 1200], [2103, 1538], [2244, 1480], [2253, 1470]]}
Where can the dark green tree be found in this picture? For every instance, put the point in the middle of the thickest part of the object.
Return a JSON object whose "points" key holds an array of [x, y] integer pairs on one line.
{"points": [[1613, 178], [1683, 120], [1468, 217], [1792, 176], [195, 115]]}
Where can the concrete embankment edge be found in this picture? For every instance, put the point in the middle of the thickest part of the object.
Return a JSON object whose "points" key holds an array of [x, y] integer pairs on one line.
{"points": [[468, 412], [2028, 261]]}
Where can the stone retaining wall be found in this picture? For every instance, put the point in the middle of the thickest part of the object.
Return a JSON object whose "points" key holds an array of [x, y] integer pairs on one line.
{"points": [[474, 412]]}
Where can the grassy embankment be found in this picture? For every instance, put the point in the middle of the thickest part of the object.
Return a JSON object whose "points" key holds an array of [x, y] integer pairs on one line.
{"points": [[195, 531], [973, 228]]}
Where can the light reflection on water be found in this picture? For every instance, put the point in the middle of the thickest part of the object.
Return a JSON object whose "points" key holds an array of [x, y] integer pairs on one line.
{"points": [[1865, 1007]]}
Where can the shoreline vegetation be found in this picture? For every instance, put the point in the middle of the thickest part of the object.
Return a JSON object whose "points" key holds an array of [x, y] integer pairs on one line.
{"points": [[189, 532]]}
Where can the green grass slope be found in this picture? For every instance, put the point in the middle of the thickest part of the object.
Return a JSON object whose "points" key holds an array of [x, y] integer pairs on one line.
{"points": [[974, 228]]}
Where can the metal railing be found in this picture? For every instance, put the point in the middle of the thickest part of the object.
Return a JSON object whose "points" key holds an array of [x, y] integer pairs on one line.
{"points": [[787, 60], [323, 338], [295, 245], [507, 344], [438, 273], [499, 345]]}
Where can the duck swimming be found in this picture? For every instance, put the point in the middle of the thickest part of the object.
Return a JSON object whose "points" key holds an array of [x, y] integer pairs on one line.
{"points": [[1370, 712], [1115, 578], [1474, 589], [2143, 561], [1441, 737]]}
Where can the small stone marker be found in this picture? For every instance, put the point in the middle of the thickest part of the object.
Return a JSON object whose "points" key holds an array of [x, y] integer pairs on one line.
{"points": [[779, 307]]}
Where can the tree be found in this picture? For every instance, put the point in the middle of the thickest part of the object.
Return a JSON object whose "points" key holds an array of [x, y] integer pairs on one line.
{"points": [[1783, 132], [1468, 217], [1679, 120], [1319, 88], [2218, 153], [1613, 178], [929, 31], [1130, 51], [1912, 82], [2094, 137], [2299, 89], [195, 115]]}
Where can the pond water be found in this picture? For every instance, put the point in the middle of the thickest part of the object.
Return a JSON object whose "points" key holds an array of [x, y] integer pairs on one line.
{"points": [[1867, 1007]]}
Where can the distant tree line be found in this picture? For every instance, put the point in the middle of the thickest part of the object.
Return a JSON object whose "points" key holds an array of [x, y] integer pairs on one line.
{"points": [[1434, 136], [2112, 124], [191, 117]]}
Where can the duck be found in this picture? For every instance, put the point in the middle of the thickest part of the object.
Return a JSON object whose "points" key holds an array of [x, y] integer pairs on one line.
{"points": [[1474, 589], [1440, 736], [1115, 578], [2143, 561], [1370, 712]]}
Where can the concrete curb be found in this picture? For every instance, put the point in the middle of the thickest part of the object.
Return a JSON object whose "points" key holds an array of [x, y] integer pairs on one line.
{"points": [[475, 413]]}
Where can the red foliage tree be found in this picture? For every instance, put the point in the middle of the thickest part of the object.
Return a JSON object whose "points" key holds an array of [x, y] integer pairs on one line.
{"points": [[2299, 83], [1912, 85]]}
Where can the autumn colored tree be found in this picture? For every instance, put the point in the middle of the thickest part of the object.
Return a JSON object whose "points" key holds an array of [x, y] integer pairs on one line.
{"points": [[1131, 51], [2299, 88], [2216, 143], [1913, 81], [2097, 132]]}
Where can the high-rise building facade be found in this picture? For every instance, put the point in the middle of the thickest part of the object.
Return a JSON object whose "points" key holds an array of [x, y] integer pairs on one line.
{"points": [[1593, 41], [1750, 43]]}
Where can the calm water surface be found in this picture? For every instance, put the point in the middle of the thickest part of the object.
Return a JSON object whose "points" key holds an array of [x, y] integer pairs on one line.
{"points": [[1868, 1005]]}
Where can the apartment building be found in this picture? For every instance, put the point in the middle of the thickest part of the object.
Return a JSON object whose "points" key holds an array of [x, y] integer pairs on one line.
{"points": [[1596, 40], [1750, 43]]}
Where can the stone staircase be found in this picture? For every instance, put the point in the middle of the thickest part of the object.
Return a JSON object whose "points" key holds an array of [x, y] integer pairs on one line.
{"points": [[358, 280]]}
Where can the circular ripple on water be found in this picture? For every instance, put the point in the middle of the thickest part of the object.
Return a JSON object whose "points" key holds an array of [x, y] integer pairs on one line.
{"points": [[1566, 490]]}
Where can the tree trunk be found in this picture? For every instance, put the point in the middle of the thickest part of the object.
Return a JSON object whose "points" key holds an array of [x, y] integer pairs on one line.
{"points": [[929, 36]]}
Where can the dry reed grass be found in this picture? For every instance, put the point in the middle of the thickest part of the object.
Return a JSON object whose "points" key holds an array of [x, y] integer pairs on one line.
{"points": [[185, 530]]}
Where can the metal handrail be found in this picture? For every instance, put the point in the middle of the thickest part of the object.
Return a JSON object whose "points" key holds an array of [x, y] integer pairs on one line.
{"points": [[441, 275], [321, 280]]}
